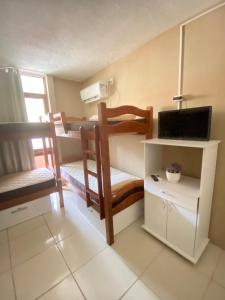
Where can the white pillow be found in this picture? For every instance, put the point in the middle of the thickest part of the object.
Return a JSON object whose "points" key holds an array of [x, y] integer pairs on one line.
{"points": [[93, 118], [126, 117]]}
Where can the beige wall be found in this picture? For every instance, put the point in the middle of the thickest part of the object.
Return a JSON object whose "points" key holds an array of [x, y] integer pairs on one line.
{"points": [[204, 82], [149, 77], [67, 98], [146, 77]]}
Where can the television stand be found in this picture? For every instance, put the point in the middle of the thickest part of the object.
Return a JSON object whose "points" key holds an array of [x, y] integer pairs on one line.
{"points": [[178, 214]]}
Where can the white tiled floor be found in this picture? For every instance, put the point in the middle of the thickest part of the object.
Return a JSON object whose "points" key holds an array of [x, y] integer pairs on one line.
{"points": [[30, 244], [79, 248], [60, 256]]}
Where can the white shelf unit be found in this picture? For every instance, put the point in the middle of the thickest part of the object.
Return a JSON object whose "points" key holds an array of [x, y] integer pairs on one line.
{"points": [[178, 214]]}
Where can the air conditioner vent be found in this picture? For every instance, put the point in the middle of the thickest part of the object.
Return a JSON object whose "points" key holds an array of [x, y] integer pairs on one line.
{"points": [[94, 92]]}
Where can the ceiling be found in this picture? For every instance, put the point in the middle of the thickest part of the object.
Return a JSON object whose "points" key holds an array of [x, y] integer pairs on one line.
{"points": [[74, 39]]}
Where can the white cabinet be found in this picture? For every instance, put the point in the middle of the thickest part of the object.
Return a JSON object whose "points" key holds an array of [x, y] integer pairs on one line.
{"points": [[179, 214], [181, 226], [155, 214], [171, 222]]}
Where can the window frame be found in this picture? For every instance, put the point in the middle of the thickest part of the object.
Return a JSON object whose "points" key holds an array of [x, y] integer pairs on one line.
{"points": [[37, 95], [27, 95]]}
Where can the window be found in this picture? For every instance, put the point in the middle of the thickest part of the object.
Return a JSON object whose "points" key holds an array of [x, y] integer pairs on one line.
{"points": [[33, 84], [36, 101]]}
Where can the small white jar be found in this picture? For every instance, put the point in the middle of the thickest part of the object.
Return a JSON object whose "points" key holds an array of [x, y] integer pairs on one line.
{"points": [[173, 177]]}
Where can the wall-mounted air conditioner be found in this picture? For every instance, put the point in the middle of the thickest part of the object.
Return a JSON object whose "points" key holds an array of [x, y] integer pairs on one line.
{"points": [[94, 92]]}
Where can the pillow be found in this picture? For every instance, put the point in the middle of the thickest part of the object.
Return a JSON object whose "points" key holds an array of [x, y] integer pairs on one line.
{"points": [[126, 117], [93, 118]]}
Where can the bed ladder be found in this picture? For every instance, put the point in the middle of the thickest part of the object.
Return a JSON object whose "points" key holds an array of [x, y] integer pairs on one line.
{"points": [[92, 198]]}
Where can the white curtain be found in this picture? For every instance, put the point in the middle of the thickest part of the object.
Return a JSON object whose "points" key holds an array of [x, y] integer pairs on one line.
{"points": [[14, 156], [53, 106]]}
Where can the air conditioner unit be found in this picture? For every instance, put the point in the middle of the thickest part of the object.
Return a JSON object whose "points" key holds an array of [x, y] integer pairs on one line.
{"points": [[94, 92]]}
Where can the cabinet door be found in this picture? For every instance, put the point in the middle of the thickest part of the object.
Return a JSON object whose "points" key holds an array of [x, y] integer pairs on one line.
{"points": [[181, 225], [155, 214]]}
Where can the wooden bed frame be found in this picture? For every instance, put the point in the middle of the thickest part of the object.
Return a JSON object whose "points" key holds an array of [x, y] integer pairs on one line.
{"points": [[99, 133], [26, 131]]}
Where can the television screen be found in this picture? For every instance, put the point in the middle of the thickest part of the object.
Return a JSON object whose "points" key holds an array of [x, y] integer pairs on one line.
{"points": [[187, 124]]}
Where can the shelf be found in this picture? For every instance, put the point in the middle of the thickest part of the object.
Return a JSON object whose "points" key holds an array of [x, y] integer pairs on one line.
{"points": [[181, 143], [178, 214], [185, 193]]}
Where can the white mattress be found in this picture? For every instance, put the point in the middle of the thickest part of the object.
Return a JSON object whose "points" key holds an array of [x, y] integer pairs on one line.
{"points": [[118, 177], [24, 179]]}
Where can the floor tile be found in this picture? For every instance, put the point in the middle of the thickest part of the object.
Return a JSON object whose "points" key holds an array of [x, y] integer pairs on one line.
{"points": [[62, 225], [137, 247], [81, 247], [209, 259], [37, 275], [102, 272], [105, 277], [6, 286], [219, 275], [25, 227], [66, 290], [4, 257], [171, 276], [140, 291], [215, 292], [30, 244]]}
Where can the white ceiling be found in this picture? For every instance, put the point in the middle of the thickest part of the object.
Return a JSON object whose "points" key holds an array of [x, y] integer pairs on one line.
{"points": [[74, 39]]}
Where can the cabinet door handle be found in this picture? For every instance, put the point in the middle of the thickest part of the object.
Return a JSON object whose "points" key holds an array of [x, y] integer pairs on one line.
{"points": [[19, 209], [168, 194], [173, 205], [164, 203], [169, 206]]}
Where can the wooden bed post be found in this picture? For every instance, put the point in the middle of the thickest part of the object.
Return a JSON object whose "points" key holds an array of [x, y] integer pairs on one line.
{"points": [[104, 141], [99, 170], [56, 161], [149, 122], [45, 152], [63, 120], [84, 145]]}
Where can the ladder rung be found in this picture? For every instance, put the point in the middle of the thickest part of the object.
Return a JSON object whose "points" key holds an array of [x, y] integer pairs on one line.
{"points": [[92, 194], [92, 173]]}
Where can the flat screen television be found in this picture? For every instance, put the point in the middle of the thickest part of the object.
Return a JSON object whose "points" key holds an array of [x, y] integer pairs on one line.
{"points": [[185, 124]]}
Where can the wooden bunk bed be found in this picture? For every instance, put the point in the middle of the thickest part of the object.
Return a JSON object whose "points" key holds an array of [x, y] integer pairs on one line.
{"points": [[106, 201], [21, 187]]}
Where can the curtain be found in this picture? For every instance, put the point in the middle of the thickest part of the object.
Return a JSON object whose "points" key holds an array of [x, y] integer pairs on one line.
{"points": [[52, 106], [14, 156]]}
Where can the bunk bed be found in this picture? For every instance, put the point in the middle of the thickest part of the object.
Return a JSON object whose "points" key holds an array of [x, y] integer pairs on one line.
{"points": [[21, 187], [107, 190]]}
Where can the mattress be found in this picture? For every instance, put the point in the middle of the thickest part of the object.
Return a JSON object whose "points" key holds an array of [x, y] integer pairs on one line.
{"points": [[74, 173], [23, 183], [21, 127]]}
